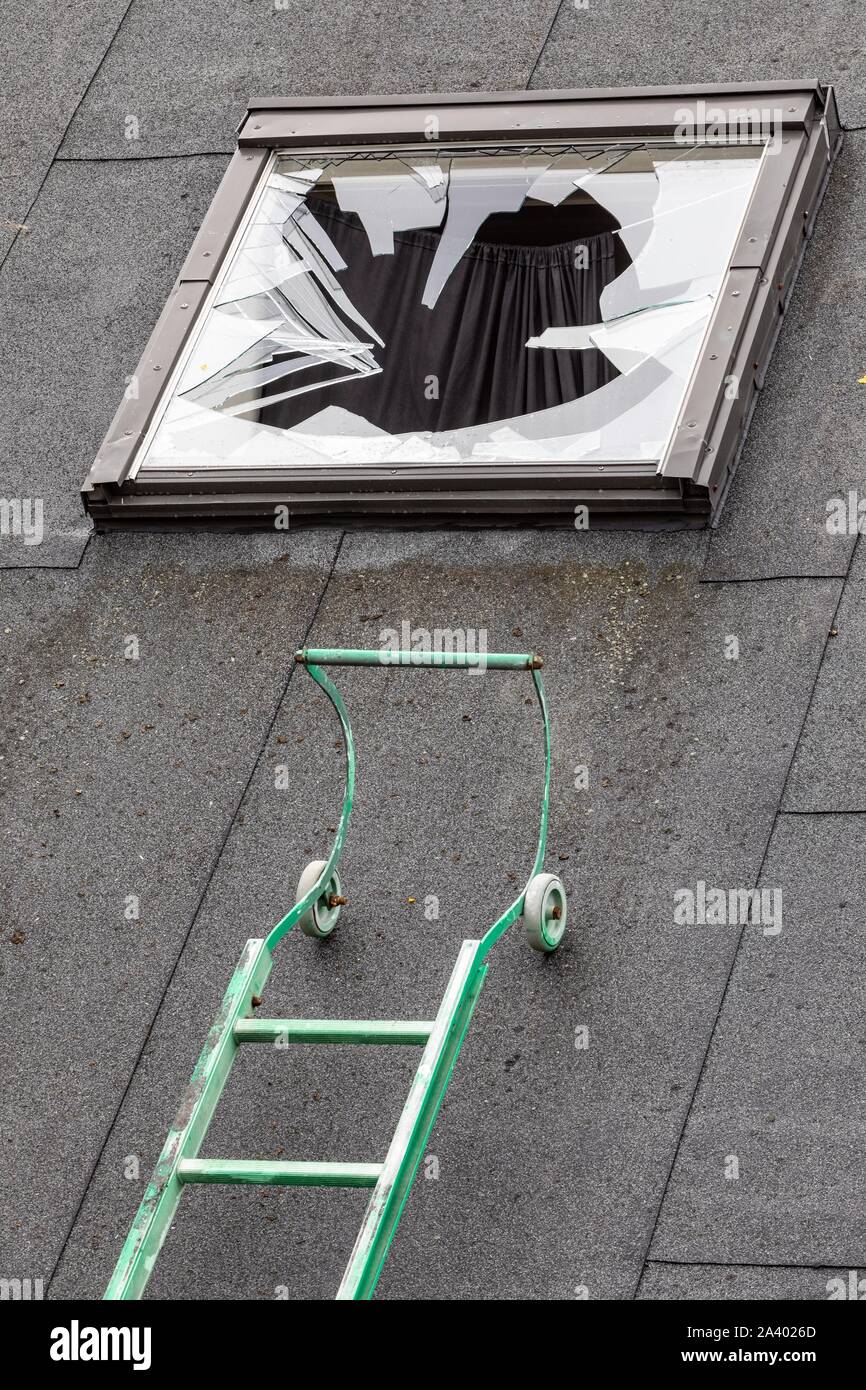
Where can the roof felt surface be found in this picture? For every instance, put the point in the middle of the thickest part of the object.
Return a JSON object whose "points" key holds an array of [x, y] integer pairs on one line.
{"points": [[557, 1166]]}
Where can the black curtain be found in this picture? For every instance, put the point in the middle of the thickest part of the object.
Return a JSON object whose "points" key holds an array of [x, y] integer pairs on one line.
{"points": [[472, 342]]}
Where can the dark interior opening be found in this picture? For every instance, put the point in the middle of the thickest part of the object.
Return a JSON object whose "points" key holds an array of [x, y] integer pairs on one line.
{"points": [[465, 362]]}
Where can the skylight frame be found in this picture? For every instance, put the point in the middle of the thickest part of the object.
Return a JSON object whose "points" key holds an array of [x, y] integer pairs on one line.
{"points": [[700, 461]]}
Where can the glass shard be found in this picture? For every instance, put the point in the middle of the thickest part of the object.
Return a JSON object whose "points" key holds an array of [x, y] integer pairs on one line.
{"points": [[389, 197], [476, 189]]}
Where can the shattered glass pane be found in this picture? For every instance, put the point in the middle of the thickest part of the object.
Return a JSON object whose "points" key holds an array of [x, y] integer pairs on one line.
{"points": [[445, 305]]}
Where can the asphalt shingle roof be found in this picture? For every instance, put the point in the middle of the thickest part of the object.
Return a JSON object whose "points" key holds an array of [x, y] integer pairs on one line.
{"points": [[558, 1167]]}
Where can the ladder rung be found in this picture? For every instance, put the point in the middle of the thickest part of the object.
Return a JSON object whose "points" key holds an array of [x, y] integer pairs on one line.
{"points": [[256, 1170], [332, 1030]]}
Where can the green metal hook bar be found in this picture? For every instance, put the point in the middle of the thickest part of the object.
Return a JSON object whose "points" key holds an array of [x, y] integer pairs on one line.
{"points": [[390, 656], [343, 656], [511, 914], [285, 925]]}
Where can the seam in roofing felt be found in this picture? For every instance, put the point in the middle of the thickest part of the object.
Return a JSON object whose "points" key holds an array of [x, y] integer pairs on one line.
{"points": [[735, 956], [139, 158], [770, 578], [25, 569], [544, 45], [75, 111], [278, 704], [759, 1264]]}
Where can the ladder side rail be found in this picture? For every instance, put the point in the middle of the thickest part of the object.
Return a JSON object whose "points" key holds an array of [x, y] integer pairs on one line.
{"points": [[416, 1121], [153, 1219]]}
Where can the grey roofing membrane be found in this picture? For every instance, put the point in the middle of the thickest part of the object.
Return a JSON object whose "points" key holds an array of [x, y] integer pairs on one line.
{"points": [[81, 293], [782, 1090], [557, 1168], [749, 1282], [47, 68], [187, 68], [829, 771], [670, 41]]}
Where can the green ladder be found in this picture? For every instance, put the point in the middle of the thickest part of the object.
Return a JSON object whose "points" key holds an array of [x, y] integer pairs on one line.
{"points": [[542, 904]]}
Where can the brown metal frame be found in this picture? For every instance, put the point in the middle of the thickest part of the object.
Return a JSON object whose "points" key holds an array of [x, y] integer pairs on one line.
{"points": [[698, 468]]}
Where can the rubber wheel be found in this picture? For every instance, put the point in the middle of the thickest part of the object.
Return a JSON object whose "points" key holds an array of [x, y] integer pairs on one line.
{"points": [[545, 911], [320, 919]]}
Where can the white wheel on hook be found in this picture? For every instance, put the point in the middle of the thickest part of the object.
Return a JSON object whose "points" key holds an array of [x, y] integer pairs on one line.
{"points": [[320, 919], [545, 911]]}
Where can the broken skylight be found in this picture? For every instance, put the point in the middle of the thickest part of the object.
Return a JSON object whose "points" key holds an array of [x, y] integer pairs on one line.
{"points": [[459, 307], [513, 308]]}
